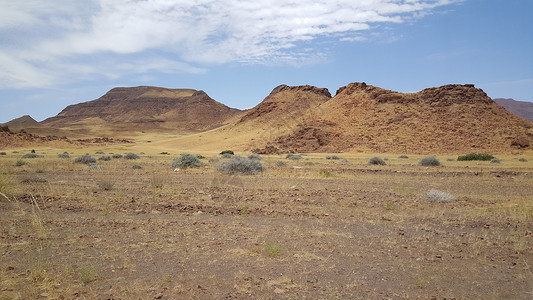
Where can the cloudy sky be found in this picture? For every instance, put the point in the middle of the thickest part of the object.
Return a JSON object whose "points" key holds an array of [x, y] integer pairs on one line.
{"points": [[59, 52]]}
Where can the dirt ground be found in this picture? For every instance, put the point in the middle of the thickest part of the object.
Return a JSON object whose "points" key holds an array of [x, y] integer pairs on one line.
{"points": [[314, 228]]}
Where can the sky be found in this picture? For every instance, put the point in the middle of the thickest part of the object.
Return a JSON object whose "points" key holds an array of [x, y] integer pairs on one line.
{"points": [[56, 53]]}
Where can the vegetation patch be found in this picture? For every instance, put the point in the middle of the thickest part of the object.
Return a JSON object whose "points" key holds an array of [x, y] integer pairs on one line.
{"points": [[85, 159], [227, 152], [241, 165], [475, 156], [429, 161], [116, 155], [186, 160], [63, 155], [31, 155], [333, 157], [105, 158], [377, 161], [20, 163], [403, 156], [294, 156], [34, 179], [131, 156], [439, 196]]}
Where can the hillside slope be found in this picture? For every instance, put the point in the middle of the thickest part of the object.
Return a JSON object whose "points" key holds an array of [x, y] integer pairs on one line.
{"points": [[520, 108]]}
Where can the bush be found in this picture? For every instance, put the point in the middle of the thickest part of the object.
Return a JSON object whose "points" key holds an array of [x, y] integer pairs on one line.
{"points": [[255, 156], [84, 159], [105, 158], [429, 161], [137, 167], [280, 163], [199, 156], [106, 185], [227, 155], [494, 161], [294, 156], [116, 156], [522, 159], [227, 152], [3, 153], [186, 160], [99, 152], [131, 156], [438, 196], [20, 163], [31, 155], [34, 179], [63, 155], [164, 153], [333, 157], [475, 156], [403, 156], [450, 159], [241, 165], [376, 161]]}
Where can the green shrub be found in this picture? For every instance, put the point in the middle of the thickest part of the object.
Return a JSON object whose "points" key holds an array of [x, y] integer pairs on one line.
{"points": [[227, 152], [20, 163], [522, 159], [280, 163], [131, 156], [85, 159], [241, 165], [376, 161], [63, 155], [164, 153], [105, 158], [294, 156], [429, 161], [33, 151], [333, 157], [3, 153], [99, 152], [186, 160], [403, 156], [199, 156], [31, 155], [475, 156], [34, 179], [137, 167], [116, 155]]}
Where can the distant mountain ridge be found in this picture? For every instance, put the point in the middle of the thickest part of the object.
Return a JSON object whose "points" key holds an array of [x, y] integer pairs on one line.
{"points": [[520, 108]]}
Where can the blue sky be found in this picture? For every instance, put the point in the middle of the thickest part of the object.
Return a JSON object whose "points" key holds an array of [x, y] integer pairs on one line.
{"points": [[59, 52]]}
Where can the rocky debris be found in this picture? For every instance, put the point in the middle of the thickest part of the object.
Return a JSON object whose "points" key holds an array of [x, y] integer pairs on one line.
{"points": [[521, 141], [5, 129], [301, 88]]}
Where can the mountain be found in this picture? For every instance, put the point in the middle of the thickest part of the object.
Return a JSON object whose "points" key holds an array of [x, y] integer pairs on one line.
{"points": [[145, 108], [446, 119], [22, 123], [520, 108]]}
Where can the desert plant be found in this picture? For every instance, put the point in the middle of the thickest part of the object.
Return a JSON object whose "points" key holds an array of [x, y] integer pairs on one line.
{"points": [[20, 163], [227, 152], [34, 179], [92, 166], [164, 153], [450, 159], [272, 250], [106, 185], [116, 155], [131, 156], [429, 161], [3, 153], [522, 159], [33, 151], [255, 156], [376, 161], [280, 163], [227, 155], [85, 159], [494, 161], [326, 173], [475, 156], [105, 158], [186, 160], [31, 155], [294, 156], [241, 165], [333, 157], [63, 155], [200, 156], [439, 196], [137, 167], [99, 152], [403, 156]]}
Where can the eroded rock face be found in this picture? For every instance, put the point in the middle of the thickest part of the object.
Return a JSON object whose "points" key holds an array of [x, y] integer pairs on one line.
{"points": [[302, 88]]}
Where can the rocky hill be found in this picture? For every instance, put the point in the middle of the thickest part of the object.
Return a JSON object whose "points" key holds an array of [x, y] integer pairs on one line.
{"points": [[450, 118], [146, 108], [520, 108], [22, 123]]}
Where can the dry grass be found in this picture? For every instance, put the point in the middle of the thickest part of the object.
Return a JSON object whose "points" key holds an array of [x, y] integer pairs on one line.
{"points": [[320, 230]]}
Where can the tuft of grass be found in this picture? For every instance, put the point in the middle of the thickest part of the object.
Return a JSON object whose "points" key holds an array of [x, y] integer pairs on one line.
{"points": [[227, 152], [34, 179], [377, 161], [87, 274], [333, 157], [241, 165], [63, 155], [522, 159], [186, 160], [106, 185], [3, 153], [99, 152], [439, 196], [294, 156], [403, 156], [326, 173], [85, 159], [116, 155], [272, 250], [31, 155], [92, 166], [280, 163], [137, 167], [20, 163], [429, 161], [131, 156], [495, 161], [475, 156], [105, 158]]}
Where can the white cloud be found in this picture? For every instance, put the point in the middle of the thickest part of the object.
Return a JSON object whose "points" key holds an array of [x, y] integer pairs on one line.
{"points": [[191, 31]]}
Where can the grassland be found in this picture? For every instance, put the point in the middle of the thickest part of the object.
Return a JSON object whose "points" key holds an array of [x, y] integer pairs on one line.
{"points": [[315, 228]]}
